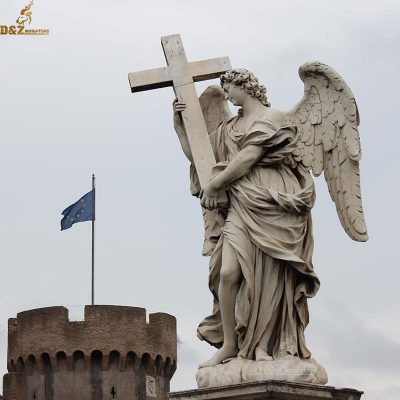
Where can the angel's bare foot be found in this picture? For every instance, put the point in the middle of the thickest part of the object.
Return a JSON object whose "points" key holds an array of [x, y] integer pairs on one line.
{"points": [[221, 355], [262, 355]]}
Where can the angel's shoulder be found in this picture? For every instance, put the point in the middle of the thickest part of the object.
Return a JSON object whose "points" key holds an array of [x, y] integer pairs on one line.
{"points": [[227, 123]]}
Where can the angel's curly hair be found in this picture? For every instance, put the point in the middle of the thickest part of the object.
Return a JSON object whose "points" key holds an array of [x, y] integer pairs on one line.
{"points": [[249, 82]]}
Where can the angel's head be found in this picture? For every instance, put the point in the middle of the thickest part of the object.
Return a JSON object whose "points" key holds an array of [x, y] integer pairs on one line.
{"points": [[238, 83]]}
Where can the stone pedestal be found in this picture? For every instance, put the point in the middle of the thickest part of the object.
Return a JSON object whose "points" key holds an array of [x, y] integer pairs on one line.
{"points": [[239, 370], [272, 390]]}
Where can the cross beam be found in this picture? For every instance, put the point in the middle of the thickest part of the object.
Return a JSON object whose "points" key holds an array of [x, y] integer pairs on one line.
{"points": [[181, 75]]}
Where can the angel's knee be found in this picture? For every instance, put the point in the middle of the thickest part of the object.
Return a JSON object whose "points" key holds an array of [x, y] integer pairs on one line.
{"points": [[230, 269]]}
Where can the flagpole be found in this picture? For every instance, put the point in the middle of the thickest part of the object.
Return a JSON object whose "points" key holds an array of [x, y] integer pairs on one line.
{"points": [[93, 219]]}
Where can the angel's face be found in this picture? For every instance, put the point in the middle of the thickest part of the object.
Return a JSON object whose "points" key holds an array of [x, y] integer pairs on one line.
{"points": [[235, 94]]}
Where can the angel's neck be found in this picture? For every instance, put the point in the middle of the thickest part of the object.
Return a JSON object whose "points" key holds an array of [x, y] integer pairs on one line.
{"points": [[252, 106]]}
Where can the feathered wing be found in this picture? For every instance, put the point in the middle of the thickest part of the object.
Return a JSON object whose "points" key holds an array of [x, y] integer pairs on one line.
{"points": [[215, 110], [327, 119], [214, 107]]}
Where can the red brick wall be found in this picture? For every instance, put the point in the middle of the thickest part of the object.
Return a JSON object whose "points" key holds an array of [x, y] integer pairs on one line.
{"points": [[48, 355]]}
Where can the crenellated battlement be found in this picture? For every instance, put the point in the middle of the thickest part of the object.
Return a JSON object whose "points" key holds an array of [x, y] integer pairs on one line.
{"points": [[113, 351], [105, 329]]}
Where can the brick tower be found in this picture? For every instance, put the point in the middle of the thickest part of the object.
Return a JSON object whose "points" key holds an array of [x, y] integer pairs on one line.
{"points": [[113, 354]]}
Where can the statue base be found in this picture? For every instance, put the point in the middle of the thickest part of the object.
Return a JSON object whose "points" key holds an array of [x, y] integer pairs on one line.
{"points": [[272, 390], [239, 370]]}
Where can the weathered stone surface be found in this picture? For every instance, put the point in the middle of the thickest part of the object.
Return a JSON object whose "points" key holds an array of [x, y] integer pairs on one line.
{"points": [[272, 390], [261, 244], [261, 271], [240, 370], [181, 75], [113, 354]]}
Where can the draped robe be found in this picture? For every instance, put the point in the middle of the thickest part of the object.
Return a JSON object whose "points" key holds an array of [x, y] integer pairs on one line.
{"points": [[268, 224]]}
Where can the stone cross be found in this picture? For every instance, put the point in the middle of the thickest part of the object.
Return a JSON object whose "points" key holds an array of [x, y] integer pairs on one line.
{"points": [[181, 75]]}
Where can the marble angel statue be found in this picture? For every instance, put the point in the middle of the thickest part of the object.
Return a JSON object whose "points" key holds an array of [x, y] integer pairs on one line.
{"points": [[261, 272]]}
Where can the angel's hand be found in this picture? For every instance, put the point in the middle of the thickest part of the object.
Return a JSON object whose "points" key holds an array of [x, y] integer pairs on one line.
{"points": [[178, 106], [209, 197]]}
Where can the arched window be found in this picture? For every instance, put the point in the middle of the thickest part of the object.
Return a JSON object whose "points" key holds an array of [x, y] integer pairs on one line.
{"points": [[62, 364], [114, 359], [79, 360]]}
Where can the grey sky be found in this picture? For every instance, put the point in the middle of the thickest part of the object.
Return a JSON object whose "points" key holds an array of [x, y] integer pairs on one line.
{"points": [[67, 111]]}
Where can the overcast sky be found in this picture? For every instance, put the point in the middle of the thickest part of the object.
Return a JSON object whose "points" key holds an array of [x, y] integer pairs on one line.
{"points": [[67, 112]]}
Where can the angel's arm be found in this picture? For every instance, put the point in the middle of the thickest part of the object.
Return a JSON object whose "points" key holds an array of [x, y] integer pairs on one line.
{"points": [[180, 130], [239, 166]]}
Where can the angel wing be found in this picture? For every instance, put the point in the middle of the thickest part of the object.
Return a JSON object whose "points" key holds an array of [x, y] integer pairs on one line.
{"points": [[214, 107], [215, 110], [327, 119]]}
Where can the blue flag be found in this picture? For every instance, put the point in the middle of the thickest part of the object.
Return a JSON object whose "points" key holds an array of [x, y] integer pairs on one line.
{"points": [[80, 211]]}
